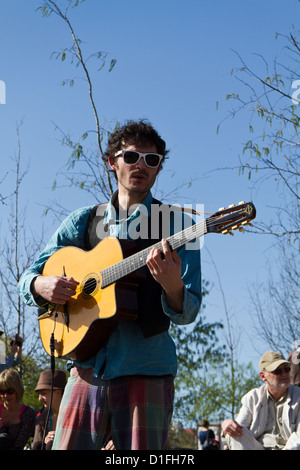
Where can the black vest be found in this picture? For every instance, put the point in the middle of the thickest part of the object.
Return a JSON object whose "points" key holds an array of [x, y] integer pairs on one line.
{"points": [[151, 317]]}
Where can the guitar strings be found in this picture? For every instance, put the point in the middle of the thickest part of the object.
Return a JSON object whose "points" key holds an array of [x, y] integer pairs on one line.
{"points": [[127, 265]]}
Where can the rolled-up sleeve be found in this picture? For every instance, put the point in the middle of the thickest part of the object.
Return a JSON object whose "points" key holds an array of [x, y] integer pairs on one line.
{"points": [[191, 276], [70, 233]]}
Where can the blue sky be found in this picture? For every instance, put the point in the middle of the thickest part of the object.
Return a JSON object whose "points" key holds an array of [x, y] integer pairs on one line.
{"points": [[174, 60]]}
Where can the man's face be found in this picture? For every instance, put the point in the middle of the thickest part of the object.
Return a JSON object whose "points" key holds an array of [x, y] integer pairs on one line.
{"points": [[44, 397], [278, 380], [135, 180]]}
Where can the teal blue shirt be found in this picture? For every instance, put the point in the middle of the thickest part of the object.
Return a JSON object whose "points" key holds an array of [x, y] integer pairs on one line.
{"points": [[127, 351]]}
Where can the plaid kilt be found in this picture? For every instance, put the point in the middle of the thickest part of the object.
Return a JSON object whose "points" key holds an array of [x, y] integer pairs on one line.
{"points": [[135, 411]]}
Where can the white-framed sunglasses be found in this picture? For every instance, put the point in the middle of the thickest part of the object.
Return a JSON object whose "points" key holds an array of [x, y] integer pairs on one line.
{"points": [[132, 157]]}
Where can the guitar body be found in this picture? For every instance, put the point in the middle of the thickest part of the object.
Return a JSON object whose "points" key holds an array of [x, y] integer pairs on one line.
{"points": [[93, 311]]}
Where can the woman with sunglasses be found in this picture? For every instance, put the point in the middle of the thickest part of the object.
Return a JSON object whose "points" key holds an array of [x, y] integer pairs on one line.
{"points": [[17, 421], [126, 390]]}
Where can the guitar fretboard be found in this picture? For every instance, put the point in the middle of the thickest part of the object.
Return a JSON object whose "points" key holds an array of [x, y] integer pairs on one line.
{"points": [[136, 261]]}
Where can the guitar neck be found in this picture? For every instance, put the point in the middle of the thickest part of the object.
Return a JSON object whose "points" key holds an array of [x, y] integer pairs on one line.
{"points": [[136, 261], [223, 221]]}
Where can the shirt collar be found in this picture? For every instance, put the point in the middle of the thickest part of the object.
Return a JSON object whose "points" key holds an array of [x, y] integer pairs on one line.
{"points": [[282, 399], [112, 214]]}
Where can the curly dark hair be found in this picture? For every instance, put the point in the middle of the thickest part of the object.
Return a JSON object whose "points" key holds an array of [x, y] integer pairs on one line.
{"points": [[137, 133]]}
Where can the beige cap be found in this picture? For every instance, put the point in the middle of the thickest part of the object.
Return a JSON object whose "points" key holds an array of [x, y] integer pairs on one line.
{"points": [[271, 360]]}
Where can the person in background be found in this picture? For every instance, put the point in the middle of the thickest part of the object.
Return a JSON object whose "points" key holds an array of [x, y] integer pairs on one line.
{"points": [[14, 358], [17, 420], [294, 358], [205, 434], [43, 388], [270, 415]]}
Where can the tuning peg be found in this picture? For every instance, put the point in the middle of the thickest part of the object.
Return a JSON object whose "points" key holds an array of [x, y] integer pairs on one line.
{"points": [[234, 227], [222, 209], [231, 205], [251, 225], [241, 202], [241, 229]]}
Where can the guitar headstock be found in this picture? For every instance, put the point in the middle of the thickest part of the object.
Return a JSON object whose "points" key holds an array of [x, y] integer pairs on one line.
{"points": [[232, 218]]}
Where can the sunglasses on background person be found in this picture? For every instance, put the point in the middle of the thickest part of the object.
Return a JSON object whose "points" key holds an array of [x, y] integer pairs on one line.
{"points": [[280, 371], [132, 157], [8, 391]]}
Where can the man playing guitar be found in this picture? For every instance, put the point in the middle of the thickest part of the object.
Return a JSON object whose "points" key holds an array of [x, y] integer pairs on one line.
{"points": [[126, 388]]}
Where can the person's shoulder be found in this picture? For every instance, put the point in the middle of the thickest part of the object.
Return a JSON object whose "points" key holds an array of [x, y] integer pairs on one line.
{"points": [[255, 394], [77, 213], [295, 391], [28, 411], [76, 216]]}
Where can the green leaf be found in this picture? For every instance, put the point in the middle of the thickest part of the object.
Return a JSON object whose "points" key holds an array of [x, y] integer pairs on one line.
{"points": [[112, 64]]}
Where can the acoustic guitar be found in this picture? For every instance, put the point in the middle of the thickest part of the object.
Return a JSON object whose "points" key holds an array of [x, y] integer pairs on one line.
{"points": [[108, 277]]}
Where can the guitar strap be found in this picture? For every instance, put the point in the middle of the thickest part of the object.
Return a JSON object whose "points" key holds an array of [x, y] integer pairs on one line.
{"points": [[91, 238], [151, 317]]}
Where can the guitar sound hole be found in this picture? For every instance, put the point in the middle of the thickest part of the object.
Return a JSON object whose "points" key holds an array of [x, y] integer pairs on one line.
{"points": [[90, 286]]}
